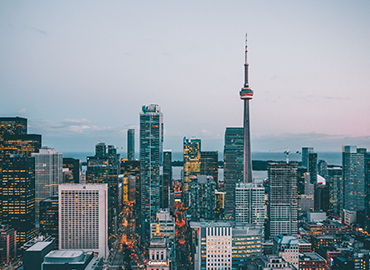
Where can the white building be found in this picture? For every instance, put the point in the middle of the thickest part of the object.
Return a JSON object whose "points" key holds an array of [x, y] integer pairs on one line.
{"points": [[48, 175], [164, 225], [158, 257], [83, 217], [250, 203]]}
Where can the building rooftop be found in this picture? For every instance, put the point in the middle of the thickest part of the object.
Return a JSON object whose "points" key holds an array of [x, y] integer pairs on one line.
{"points": [[66, 255], [38, 246], [310, 257]]}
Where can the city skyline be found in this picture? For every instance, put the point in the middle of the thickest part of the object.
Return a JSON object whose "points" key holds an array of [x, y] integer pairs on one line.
{"points": [[80, 74]]}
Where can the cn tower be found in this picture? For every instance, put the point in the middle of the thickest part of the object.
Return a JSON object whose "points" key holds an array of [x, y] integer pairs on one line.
{"points": [[246, 93]]}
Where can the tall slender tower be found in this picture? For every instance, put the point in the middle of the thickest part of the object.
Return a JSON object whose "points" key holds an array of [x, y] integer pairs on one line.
{"points": [[246, 93]]}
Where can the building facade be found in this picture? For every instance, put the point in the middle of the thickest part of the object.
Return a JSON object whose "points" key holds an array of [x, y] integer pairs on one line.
{"points": [[131, 144], [282, 199], [83, 217], [202, 198], [233, 166], [250, 203], [48, 175], [49, 217], [151, 162], [192, 149]]}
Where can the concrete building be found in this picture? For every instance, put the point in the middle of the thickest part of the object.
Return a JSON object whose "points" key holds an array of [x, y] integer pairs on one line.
{"points": [[83, 217], [49, 217], [34, 255], [282, 199], [334, 182], [158, 254], [48, 175], [163, 225], [250, 203], [309, 261], [223, 245]]}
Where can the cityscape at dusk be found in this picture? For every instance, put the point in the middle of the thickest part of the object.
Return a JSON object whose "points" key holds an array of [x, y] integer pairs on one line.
{"points": [[80, 73], [150, 135]]}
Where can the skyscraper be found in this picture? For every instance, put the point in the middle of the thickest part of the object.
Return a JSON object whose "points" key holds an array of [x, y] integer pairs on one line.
{"points": [[192, 149], [18, 196], [74, 166], [353, 179], [131, 144], [334, 182], [250, 203], [12, 126], [305, 153], [167, 177], [49, 217], [209, 164], [202, 198], [246, 93], [151, 161], [282, 199], [48, 175], [104, 168], [83, 217], [233, 166]]}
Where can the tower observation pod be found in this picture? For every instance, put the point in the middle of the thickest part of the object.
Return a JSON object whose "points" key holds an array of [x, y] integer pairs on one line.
{"points": [[246, 93]]}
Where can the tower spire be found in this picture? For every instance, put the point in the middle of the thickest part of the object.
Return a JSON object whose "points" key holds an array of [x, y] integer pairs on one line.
{"points": [[246, 84]]}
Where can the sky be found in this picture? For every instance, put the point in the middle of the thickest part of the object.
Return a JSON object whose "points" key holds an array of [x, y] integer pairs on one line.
{"points": [[80, 71]]}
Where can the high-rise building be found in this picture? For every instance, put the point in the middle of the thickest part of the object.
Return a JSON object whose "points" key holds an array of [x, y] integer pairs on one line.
{"points": [[100, 150], [250, 203], [367, 191], [192, 149], [8, 244], [18, 196], [74, 166], [209, 164], [306, 200], [164, 225], [48, 175], [12, 126], [334, 182], [151, 162], [49, 217], [83, 217], [132, 168], [312, 167], [167, 177], [322, 168], [20, 144], [131, 144], [246, 93], [233, 166], [282, 199], [353, 179], [202, 198], [305, 152]]}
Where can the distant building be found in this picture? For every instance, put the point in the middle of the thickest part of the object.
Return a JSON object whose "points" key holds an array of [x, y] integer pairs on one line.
{"points": [[12, 126], [104, 168], [220, 204], [48, 175], [282, 199], [88, 202], [151, 162], [233, 166], [49, 217], [8, 244], [202, 198], [71, 260], [305, 156], [353, 179], [209, 164], [312, 167], [306, 200], [74, 166], [131, 144], [192, 150], [250, 203], [334, 182], [34, 255], [167, 177], [18, 196]]}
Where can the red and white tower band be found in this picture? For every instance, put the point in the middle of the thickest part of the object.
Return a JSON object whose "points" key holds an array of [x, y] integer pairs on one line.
{"points": [[246, 93]]}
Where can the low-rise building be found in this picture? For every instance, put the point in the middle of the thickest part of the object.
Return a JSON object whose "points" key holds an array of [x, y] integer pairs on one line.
{"points": [[309, 261]]}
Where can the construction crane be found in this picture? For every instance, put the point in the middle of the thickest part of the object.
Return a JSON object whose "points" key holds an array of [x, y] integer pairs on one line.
{"points": [[287, 155]]}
